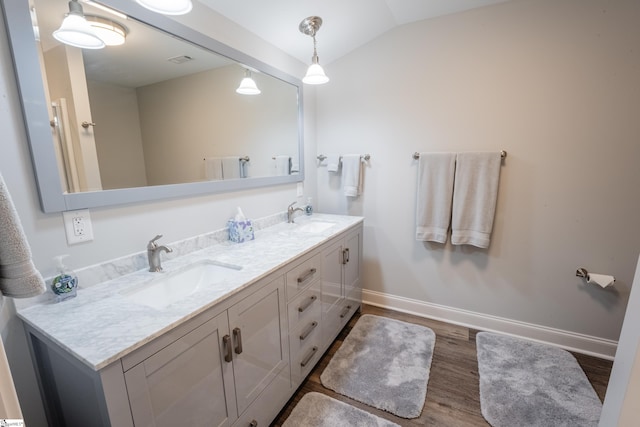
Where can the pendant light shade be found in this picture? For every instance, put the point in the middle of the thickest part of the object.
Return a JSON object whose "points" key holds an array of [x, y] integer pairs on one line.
{"points": [[315, 73], [248, 85], [167, 7], [76, 31]]}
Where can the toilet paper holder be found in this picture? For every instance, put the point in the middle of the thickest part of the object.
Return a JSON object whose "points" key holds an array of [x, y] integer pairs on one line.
{"points": [[582, 272]]}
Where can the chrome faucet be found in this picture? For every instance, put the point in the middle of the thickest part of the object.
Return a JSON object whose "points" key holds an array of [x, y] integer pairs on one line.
{"points": [[153, 253], [291, 211]]}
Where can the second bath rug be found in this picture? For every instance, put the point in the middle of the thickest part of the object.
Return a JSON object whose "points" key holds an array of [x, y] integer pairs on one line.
{"points": [[384, 363], [525, 383]]}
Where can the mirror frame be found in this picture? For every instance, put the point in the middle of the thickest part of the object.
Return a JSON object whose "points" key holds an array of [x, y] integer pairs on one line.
{"points": [[41, 142]]}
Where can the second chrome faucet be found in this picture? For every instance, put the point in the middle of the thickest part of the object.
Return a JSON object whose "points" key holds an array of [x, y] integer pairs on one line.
{"points": [[153, 254]]}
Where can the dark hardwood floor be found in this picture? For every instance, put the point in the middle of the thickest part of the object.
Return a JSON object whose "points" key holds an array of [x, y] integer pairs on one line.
{"points": [[453, 396]]}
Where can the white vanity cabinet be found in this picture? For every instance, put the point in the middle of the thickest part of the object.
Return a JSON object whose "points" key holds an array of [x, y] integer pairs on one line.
{"points": [[341, 288], [213, 373], [233, 364]]}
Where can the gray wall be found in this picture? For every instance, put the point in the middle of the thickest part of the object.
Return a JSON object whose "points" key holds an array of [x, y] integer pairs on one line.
{"points": [[553, 83]]}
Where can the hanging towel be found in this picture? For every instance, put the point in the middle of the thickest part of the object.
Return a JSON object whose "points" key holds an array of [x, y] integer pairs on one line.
{"points": [[474, 198], [352, 175], [333, 162], [213, 168], [244, 168], [283, 165], [18, 276], [231, 167], [295, 167], [435, 192]]}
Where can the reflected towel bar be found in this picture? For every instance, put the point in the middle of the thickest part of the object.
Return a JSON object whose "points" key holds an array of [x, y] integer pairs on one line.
{"points": [[241, 159], [365, 157], [416, 155]]}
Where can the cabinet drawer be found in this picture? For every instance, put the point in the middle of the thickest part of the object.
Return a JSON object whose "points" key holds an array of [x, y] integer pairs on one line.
{"points": [[303, 275], [305, 307], [306, 358]]}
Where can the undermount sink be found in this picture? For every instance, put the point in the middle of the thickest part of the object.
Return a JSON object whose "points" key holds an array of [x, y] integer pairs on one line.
{"points": [[315, 226], [171, 287]]}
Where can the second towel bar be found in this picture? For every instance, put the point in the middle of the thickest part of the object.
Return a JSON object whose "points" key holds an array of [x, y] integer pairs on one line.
{"points": [[503, 154]]}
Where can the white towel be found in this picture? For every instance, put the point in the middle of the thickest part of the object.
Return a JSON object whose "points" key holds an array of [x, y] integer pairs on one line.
{"points": [[474, 198], [283, 165], [213, 168], [231, 167], [333, 162], [352, 175], [295, 166], [434, 196], [18, 276]]}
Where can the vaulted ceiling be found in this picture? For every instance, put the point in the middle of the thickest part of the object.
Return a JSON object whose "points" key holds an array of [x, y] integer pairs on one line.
{"points": [[347, 24]]}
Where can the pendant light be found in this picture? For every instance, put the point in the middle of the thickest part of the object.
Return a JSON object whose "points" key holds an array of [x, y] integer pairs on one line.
{"points": [[315, 74], [167, 7], [76, 31], [248, 85]]}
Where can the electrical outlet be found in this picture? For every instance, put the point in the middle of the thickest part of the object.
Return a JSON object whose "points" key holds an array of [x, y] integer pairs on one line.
{"points": [[77, 225], [300, 189]]}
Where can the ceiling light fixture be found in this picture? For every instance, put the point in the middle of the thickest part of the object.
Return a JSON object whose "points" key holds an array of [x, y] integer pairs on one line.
{"points": [[248, 85], [109, 31], [315, 74], [167, 7], [76, 31]]}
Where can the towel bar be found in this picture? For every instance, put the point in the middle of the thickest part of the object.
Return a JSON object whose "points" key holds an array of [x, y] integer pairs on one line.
{"points": [[366, 157], [503, 154]]}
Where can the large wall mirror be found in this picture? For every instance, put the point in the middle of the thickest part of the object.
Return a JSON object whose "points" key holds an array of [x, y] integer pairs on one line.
{"points": [[155, 117]]}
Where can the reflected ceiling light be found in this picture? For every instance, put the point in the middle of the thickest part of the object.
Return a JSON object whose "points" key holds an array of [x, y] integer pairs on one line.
{"points": [[110, 32], [167, 7], [76, 31], [315, 74], [248, 85]]}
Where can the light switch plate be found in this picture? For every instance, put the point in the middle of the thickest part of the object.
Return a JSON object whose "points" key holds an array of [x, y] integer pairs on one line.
{"points": [[77, 225], [300, 189]]}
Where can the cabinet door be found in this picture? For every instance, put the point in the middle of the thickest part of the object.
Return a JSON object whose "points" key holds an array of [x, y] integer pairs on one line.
{"points": [[260, 341], [332, 292], [352, 259], [187, 383]]}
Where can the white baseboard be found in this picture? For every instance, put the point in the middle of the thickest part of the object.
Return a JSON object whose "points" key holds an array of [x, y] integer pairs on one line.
{"points": [[605, 349]]}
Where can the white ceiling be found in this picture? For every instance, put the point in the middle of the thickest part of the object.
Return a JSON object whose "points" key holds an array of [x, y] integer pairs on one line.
{"points": [[347, 24]]}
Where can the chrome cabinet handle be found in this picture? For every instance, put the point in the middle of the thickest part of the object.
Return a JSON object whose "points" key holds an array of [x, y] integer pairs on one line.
{"points": [[310, 301], [310, 273], [307, 331], [226, 342], [345, 311], [237, 334], [86, 124], [309, 356], [253, 423]]}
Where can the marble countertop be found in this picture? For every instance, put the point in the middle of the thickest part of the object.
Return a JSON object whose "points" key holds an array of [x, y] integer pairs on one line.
{"points": [[101, 324]]}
